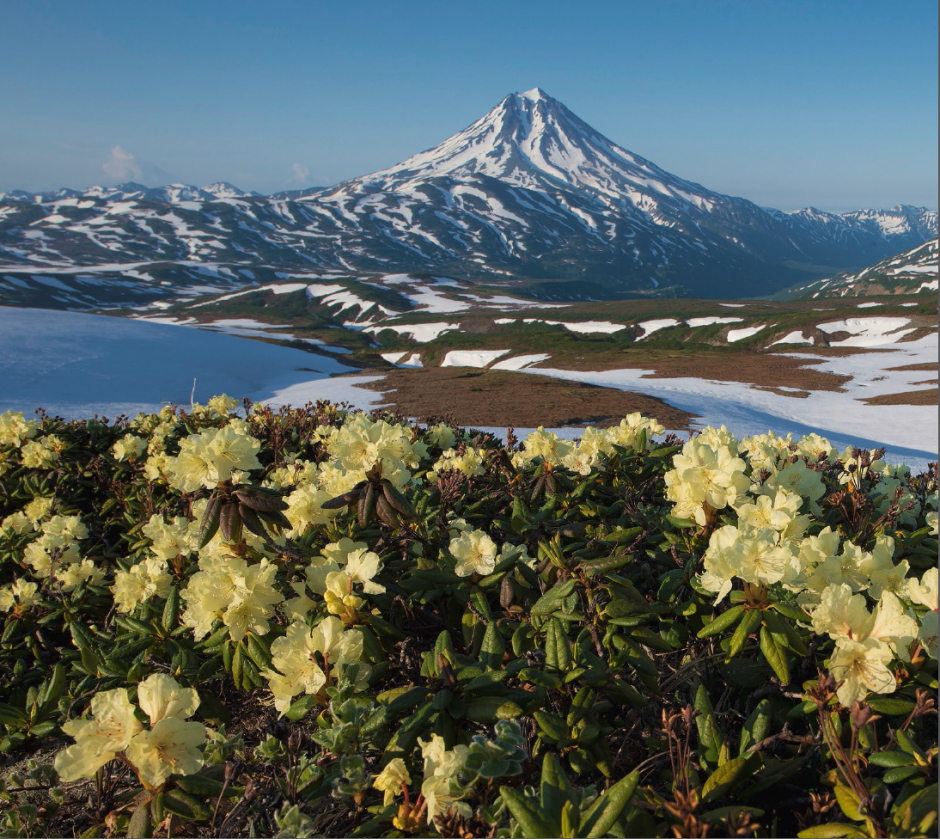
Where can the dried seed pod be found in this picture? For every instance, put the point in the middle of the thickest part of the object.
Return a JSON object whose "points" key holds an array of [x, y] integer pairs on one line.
{"points": [[210, 520], [260, 502], [397, 500]]}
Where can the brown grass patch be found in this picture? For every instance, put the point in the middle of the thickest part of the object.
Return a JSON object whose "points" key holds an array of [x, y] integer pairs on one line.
{"points": [[915, 368], [768, 370], [507, 398], [911, 397]]}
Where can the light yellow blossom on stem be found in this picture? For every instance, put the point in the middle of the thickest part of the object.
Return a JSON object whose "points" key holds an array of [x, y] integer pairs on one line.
{"points": [[391, 779], [100, 738]]}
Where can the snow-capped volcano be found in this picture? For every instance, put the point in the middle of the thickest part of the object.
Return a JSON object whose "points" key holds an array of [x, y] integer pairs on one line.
{"points": [[529, 191], [531, 140]]}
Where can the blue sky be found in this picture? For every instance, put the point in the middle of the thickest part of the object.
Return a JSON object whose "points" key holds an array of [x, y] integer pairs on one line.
{"points": [[831, 104]]}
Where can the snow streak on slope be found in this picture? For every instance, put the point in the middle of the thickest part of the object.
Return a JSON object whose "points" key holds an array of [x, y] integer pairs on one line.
{"points": [[529, 190]]}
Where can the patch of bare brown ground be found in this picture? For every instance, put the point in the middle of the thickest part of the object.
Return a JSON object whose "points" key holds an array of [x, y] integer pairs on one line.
{"points": [[914, 368], [770, 371], [912, 397], [506, 398]]}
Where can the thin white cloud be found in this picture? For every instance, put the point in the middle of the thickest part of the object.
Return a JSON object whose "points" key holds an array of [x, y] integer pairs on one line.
{"points": [[121, 165], [301, 173]]}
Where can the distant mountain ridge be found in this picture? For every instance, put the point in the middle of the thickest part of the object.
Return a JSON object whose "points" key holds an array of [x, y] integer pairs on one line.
{"points": [[529, 192], [911, 272]]}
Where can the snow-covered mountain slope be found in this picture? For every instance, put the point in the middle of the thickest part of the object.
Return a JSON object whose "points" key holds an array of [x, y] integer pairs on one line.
{"points": [[528, 192], [910, 272]]}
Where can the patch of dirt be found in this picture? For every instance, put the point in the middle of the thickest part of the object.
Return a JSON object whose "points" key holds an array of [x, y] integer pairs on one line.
{"points": [[769, 370], [914, 368], [506, 398], [911, 397]]}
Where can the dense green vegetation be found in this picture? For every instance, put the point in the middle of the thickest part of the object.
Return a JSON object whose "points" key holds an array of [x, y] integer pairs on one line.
{"points": [[312, 622]]}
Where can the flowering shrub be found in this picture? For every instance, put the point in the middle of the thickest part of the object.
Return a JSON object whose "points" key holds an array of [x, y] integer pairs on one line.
{"points": [[307, 622]]}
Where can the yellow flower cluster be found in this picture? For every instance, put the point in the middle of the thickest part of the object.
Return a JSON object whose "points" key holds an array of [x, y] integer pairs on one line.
{"points": [[835, 581], [171, 745], [15, 429], [211, 457], [305, 660]]}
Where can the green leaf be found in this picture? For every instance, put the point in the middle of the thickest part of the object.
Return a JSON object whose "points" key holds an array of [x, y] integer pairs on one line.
{"points": [[557, 646], [186, 806], [892, 706], [171, 609], [602, 814], [555, 788], [756, 726], [493, 648], [551, 600], [532, 821], [892, 759], [775, 656], [849, 803], [748, 624], [836, 830], [725, 777], [299, 708], [724, 621]]}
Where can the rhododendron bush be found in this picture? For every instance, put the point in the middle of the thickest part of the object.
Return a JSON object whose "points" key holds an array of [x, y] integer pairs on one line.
{"points": [[234, 621]]}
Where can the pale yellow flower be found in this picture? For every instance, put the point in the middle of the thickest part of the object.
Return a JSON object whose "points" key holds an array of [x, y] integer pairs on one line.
{"points": [[475, 553], [100, 738], [170, 747], [862, 667], [391, 779]]}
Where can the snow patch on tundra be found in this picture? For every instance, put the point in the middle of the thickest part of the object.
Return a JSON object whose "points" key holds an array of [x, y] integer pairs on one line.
{"points": [[471, 358]]}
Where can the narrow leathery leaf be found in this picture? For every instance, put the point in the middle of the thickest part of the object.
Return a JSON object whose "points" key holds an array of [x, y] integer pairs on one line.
{"points": [[251, 520], [186, 806], [727, 775], [776, 657], [849, 802], [507, 594], [581, 705], [601, 815], [549, 602], [366, 506], [833, 830], [171, 609], [756, 726], [262, 502], [210, 520], [227, 517], [724, 621], [533, 822], [493, 648], [397, 500], [892, 759], [557, 646], [775, 624], [554, 788], [386, 513], [788, 611], [749, 623], [551, 724], [140, 826]]}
